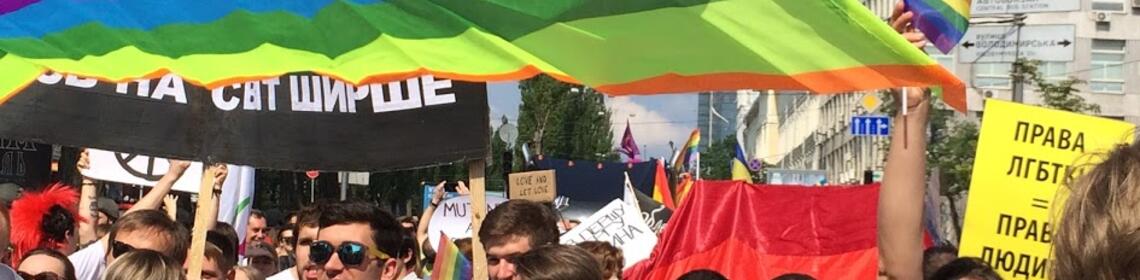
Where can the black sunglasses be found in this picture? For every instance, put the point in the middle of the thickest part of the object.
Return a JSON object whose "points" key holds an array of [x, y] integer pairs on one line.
{"points": [[350, 253], [119, 248]]}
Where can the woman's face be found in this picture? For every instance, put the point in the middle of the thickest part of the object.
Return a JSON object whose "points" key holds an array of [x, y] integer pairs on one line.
{"points": [[37, 264]]}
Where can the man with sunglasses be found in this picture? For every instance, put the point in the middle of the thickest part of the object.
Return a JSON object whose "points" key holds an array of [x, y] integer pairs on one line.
{"points": [[357, 240], [305, 229], [513, 228]]}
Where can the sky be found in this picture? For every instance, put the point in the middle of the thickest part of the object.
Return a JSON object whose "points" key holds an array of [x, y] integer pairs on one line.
{"points": [[655, 120]]}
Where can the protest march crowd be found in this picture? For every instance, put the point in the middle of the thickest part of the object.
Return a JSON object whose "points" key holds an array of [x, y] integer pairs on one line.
{"points": [[67, 232]]}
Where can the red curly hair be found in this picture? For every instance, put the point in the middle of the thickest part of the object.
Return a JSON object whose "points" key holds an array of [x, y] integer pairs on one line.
{"points": [[30, 230]]}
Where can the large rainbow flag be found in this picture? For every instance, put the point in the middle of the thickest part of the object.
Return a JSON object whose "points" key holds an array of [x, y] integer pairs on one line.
{"points": [[449, 262], [617, 47], [826, 232]]}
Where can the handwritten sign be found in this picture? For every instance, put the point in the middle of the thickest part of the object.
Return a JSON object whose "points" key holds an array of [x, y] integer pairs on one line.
{"points": [[535, 185], [621, 226], [453, 217], [1023, 156]]}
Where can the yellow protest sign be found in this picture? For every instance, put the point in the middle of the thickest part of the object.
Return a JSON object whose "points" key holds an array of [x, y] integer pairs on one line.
{"points": [[1023, 155]]}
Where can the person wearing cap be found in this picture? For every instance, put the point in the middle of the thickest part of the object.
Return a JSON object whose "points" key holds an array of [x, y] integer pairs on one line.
{"points": [[108, 211], [261, 257]]}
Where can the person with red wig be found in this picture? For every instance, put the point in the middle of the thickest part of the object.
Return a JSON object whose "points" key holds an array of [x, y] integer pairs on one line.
{"points": [[44, 220]]}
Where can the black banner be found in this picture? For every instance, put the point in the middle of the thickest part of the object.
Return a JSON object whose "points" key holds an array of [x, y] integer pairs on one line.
{"points": [[25, 163], [294, 122]]}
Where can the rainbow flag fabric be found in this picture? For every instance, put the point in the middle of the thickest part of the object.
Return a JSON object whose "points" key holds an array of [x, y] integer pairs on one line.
{"points": [[661, 192], [690, 153], [943, 21], [449, 262], [616, 47]]}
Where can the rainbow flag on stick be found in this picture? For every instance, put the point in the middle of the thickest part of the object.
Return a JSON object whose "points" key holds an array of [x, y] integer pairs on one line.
{"points": [[943, 21], [449, 262]]}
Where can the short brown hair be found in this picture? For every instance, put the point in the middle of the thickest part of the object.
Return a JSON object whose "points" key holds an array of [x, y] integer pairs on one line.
{"points": [[215, 253], [558, 262], [1098, 234], [177, 237], [609, 256], [308, 216], [519, 218], [144, 264]]}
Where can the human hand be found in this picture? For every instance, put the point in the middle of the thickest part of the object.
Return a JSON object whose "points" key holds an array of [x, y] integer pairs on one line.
{"points": [[901, 22], [178, 166], [84, 161], [221, 171], [462, 189], [437, 193]]}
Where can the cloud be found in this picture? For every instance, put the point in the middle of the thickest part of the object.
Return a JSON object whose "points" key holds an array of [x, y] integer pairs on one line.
{"points": [[667, 118]]}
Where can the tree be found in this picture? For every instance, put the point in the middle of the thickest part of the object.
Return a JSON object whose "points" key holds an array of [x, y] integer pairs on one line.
{"points": [[564, 121], [1060, 95], [716, 162]]}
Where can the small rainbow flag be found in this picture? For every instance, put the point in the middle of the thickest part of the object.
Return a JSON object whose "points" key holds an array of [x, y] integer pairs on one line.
{"points": [[449, 262], [943, 21], [689, 152]]}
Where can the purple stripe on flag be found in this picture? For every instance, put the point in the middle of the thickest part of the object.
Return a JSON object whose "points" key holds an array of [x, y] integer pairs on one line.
{"points": [[7, 6]]}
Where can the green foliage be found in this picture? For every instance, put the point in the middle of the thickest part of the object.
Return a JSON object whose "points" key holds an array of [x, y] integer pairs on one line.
{"points": [[1060, 95], [562, 122], [716, 161], [952, 151]]}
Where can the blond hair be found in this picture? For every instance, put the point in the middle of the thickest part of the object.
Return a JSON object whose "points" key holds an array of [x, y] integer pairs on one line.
{"points": [[144, 264], [1098, 234]]}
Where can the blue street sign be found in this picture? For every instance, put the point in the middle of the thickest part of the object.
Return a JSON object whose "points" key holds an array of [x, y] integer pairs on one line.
{"points": [[870, 125]]}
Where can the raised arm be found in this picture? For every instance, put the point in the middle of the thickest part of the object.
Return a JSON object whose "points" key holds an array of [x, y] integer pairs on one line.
{"points": [[153, 198], [87, 193], [425, 219], [219, 181], [901, 194]]}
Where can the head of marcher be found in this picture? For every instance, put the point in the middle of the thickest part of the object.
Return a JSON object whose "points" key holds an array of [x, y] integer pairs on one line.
{"points": [[966, 269], [144, 264], [46, 264], [1097, 235], [148, 229], [514, 228], [610, 257], [108, 211], [44, 219], [257, 228], [262, 258], [215, 265], [358, 240], [557, 262], [935, 257], [306, 228]]}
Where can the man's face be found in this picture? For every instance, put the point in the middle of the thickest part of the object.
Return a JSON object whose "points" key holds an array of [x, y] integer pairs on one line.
{"points": [[139, 239], [498, 257], [267, 265], [255, 231], [306, 269], [287, 239], [101, 218], [370, 268], [210, 270]]}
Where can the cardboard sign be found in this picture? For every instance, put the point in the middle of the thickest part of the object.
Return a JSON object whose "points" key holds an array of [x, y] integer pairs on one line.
{"points": [[620, 225], [534, 186], [1022, 158], [138, 170], [453, 217]]}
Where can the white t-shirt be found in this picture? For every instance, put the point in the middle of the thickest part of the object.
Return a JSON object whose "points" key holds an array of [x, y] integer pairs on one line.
{"points": [[89, 262], [287, 274], [6, 272]]}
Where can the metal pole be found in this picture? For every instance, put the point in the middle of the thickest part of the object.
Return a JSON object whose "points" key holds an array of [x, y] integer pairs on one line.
{"points": [[343, 186], [312, 190], [1018, 77]]}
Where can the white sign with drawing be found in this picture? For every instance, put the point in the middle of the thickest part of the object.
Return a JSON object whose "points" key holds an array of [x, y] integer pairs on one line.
{"points": [[453, 217], [1001, 7], [1000, 43], [620, 225], [138, 170]]}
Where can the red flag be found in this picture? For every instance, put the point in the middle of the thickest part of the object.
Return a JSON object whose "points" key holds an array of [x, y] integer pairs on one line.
{"points": [[661, 192], [747, 231]]}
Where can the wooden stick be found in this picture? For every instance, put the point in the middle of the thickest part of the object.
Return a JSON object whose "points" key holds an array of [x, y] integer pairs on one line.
{"points": [[198, 234], [475, 175]]}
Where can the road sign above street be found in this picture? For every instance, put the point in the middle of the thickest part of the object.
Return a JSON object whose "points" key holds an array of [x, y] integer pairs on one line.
{"points": [[870, 125], [1001, 7], [999, 43]]}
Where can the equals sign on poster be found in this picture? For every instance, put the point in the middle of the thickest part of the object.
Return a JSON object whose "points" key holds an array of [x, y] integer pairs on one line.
{"points": [[1040, 203]]}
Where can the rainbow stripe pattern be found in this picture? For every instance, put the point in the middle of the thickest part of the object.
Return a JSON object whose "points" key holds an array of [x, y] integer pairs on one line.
{"points": [[616, 47], [943, 21], [689, 152], [449, 262]]}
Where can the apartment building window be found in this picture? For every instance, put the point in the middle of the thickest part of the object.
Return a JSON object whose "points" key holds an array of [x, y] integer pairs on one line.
{"points": [[1053, 70], [1115, 6], [1107, 75], [946, 60], [992, 75]]}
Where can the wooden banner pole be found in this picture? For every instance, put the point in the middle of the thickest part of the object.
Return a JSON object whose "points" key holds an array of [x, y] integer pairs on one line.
{"points": [[201, 219], [477, 182]]}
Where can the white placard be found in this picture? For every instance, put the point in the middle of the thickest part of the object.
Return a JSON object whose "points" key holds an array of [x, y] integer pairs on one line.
{"points": [[998, 43], [453, 217], [1001, 7], [138, 170], [621, 226]]}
